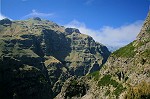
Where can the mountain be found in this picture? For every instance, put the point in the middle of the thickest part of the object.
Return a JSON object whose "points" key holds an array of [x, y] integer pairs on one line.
{"points": [[37, 56], [125, 75]]}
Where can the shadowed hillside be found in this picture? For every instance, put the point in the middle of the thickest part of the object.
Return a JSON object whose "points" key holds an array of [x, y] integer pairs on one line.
{"points": [[37, 56]]}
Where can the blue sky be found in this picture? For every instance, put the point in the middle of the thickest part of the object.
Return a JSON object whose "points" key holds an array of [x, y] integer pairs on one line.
{"points": [[121, 18]]}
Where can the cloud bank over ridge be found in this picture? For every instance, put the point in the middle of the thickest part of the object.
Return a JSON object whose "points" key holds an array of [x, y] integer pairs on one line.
{"points": [[110, 36], [2, 16]]}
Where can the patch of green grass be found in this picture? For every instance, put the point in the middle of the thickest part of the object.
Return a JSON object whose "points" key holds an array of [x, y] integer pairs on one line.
{"points": [[119, 90], [107, 93], [106, 81], [74, 82], [146, 53], [127, 51], [94, 75], [140, 44]]}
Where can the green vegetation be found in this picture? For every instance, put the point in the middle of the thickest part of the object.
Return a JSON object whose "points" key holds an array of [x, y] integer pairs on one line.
{"points": [[106, 81], [94, 75], [146, 53], [148, 30], [74, 82], [146, 56], [141, 91], [107, 93], [119, 90], [140, 44], [127, 51]]}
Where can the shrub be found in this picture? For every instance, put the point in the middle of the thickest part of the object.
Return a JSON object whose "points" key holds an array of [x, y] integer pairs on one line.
{"points": [[141, 91], [74, 82]]}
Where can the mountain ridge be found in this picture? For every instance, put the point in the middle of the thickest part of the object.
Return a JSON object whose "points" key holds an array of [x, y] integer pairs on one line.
{"points": [[125, 75], [54, 51]]}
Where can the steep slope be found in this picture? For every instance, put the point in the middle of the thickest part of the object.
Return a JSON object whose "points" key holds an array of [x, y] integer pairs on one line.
{"points": [[133, 60], [130, 65], [126, 74], [55, 53]]}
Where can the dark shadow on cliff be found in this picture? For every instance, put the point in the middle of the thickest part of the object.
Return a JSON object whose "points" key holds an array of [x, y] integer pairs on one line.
{"points": [[20, 81]]}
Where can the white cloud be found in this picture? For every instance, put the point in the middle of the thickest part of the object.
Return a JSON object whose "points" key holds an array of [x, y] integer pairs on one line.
{"points": [[2, 16], [35, 13], [108, 35]]}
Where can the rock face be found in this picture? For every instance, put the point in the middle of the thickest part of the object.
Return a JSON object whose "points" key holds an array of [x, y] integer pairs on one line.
{"points": [[126, 74], [73, 88], [20, 81], [46, 52], [5, 22]]}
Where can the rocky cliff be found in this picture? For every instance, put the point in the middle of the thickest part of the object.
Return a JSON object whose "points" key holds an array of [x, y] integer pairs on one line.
{"points": [[125, 75], [37, 56]]}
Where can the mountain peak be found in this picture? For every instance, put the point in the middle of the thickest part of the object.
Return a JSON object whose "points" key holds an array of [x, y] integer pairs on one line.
{"points": [[54, 52], [5, 21], [71, 30], [36, 18]]}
